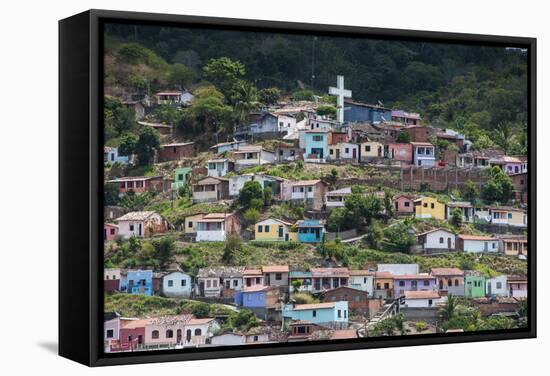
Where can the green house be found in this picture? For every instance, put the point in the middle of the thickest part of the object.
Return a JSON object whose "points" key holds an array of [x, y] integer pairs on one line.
{"points": [[180, 177], [474, 286]]}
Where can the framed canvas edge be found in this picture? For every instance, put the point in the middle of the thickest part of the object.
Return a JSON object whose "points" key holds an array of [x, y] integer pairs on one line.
{"points": [[98, 358]]}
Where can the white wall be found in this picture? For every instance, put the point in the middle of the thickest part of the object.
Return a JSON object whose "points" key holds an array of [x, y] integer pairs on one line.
{"points": [[502, 291], [477, 246], [528, 18], [176, 289], [433, 240]]}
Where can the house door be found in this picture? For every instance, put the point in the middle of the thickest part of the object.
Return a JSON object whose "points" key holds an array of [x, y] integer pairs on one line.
{"points": [[489, 288], [280, 231], [178, 336], [449, 243], [430, 303], [337, 153], [354, 154], [130, 285], [188, 335], [485, 247], [441, 284], [286, 237], [380, 151], [139, 229]]}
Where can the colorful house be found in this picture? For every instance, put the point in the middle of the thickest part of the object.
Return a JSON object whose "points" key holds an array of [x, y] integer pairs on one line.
{"points": [[190, 223], [337, 198], [436, 240], [262, 300], [252, 155], [177, 284], [423, 154], [309, 192], [217, 226], [474, 285], [210, 189], [383, 285], [132, 334], [141, 224], [517, 286], [110, 155], [274, 230], [371, 149], [343, 151], [496, 286], [329, 278], [450, 281], [400, 152], [413, 282], [165, 332], [358, 300], [310, 230], [220, 167], [330, 314], [477, 243], [175, 151], [276, 275], [363, 112], [512, 245], [139, 282], [362, 280], [406, 118], [111, 279], [465, 208], [507, 215], [404, 204], [221, 281], [423, 299], [237, 182], [253, 277], [316, 145], [305, 279], [110, 231], [181, 177], [138, 184], [429, 207], [111, 330]]}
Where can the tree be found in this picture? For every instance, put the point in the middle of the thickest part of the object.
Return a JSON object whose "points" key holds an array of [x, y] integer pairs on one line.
{"points": [[388, 204], [110, 194], [148, 141], [269, 96], [268, 196], [296, 284], [210, 113], [116, 116], [224, 73], [201, 310], [499, 188], [180, 75], [398, 238], [326, 111], [164, 250], [403, 137], [447, 310], [470, 191], [251, 190], [251, 215], [244, 100], [375, 235], [504, 136], [233, 245], [456, 217], [243, 320]]}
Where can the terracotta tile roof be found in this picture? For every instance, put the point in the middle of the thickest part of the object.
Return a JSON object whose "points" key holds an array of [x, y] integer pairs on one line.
{"points": [[383, 275], [249, 272], [133, 324], [330, 272], [275, 269], [133, 178], [344, 334], [258, 288], [516, 278], [422, 295], [361, 272], [475, 237], [447, 271], [136, 216], [413, 276], [302, 307], [305, 182], [434, 230], [203, 321]]}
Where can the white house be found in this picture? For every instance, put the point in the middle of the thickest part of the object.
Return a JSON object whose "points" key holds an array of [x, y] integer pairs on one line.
{"points": [[140, 224], [199, 331], [227, 146], [236, 183], [399, 269], [343, 151], [110, 154], [362, 280], [477, 244], [337, 198], [220, 167], [177, 285], [217, 226], [437, 239], [254, 335], [496, 286], [252, 155], [423, 299], [423, 154]]}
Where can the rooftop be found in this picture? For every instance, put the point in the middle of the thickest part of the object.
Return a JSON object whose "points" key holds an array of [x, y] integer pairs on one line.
{"points": [[136, 216], [302, 307], [275, 269], [335, 272], [475, 237], [422, 295], [447, 271], [413, 276]]}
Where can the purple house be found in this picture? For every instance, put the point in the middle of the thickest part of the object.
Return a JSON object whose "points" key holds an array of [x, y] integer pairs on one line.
{"points": [[413, 282], [262, 300]]}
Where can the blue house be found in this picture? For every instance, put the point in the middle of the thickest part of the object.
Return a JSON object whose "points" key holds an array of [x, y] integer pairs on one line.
{"points": [[139, 282], [331, 314], [262, 300], [310, 230], [110, 154], [362, 112], [316, 145]]}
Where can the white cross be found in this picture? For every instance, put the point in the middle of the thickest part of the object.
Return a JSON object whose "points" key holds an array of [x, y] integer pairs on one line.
{"points": [[341, 93]]}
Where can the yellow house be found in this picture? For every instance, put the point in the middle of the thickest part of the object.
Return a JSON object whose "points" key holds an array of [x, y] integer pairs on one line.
{"points": [[506, 215], [274, 230], [429, 207], [371, 149]]}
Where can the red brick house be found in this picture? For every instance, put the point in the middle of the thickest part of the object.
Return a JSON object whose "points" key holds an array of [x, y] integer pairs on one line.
{"points": [[418, 133], [404, 204], [358, 300], [400, 152], [138, 184], [175, 151], [132, 334]]}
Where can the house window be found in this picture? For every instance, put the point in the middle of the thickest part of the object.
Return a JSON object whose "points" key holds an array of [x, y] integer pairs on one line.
{"points": [[317, 138], [494, 245], [406, 204], [414, 283], [378, 287], [260, 228], [456, 282], [365, 280], [310, 189], [131, 227], [278, 276], [208, 284], [155, 334], [441, 240], [367, 148], [110, 333], [215, 283], [509, 215], [107, 277], [433, 205], [280, 153], [499, 285], [257, 280], [266, 228], [235, 283], [169, 333], [401, 283], [198, 332], [339, 313], [449, 282], [345, 314], [386, 285], [426, 283], [190, 224], [170, 283], [314, 313], [347, 150], [357, 298], [183, 283], [112, 231], [425, 204]]}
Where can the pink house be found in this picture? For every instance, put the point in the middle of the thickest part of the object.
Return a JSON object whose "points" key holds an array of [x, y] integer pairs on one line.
{"points": [[400, 152], [110, 231], [404, 204]]}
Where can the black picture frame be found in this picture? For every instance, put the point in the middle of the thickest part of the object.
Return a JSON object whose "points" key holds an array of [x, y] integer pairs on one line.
{"points": [[80, 165]]}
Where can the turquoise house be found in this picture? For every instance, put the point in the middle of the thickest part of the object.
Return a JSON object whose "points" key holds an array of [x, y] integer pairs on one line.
{"points": [[332, 314], [316, 145], [474, 286], [180, 177], [310, 231]]}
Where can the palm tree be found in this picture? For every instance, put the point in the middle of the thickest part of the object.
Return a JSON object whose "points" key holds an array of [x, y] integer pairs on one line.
{"points": [[245, 100], [447, 311], [504, 136]]}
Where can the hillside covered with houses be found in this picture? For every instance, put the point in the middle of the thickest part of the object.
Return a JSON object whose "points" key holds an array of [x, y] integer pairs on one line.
{"points": [[245, 203]]}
